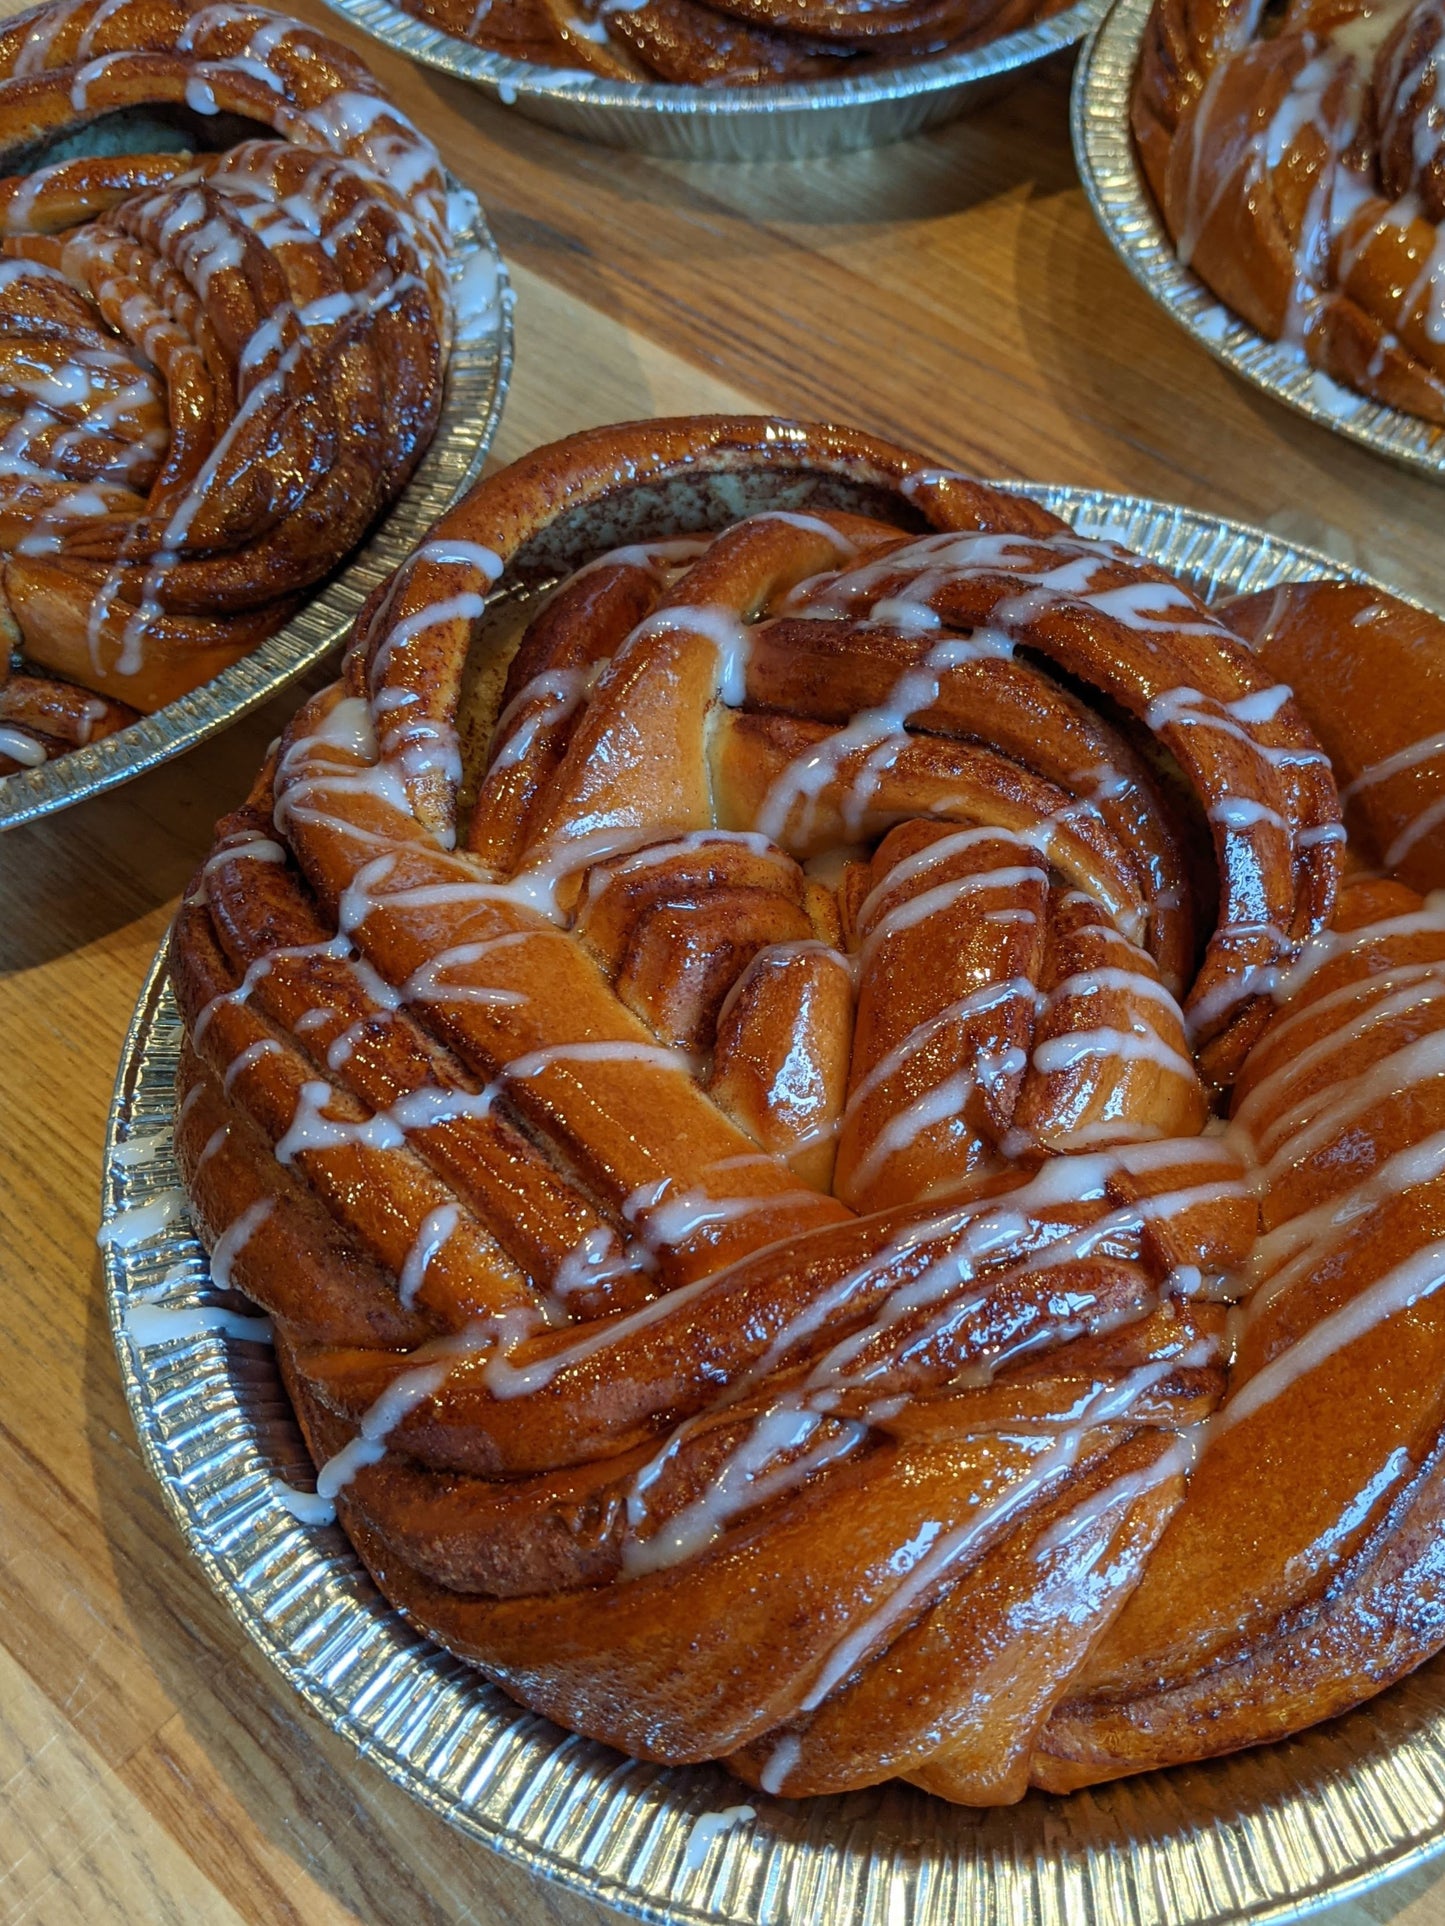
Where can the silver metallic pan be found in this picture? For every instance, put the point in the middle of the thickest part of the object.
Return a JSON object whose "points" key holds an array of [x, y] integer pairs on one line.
{"points": [[477, 375], [788, 122], [1261, 1836], [1119, 194]]}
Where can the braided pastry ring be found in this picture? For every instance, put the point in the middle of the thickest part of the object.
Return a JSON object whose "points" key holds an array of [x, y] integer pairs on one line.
{"points": [[728, 44], [216, 368], [728, 1180], [1297, 155]]}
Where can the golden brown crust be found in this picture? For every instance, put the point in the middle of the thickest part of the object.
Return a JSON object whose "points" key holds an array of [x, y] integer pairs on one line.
{"points": [[729, 1167], [215, 368], [1300, 170], [727, 43], [40, 719], [1371, 677]]}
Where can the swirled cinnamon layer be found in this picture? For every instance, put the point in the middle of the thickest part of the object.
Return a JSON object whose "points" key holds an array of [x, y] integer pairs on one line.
{"points": [[218, 362], [728, 43], [729, 1150], [1298, 157]]}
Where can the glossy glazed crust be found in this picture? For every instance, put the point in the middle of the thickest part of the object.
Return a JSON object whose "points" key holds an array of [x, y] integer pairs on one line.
{"points": [[729, 43], [1297, 157], [1343, 646], [1274, 1601], [726, 1162], [220, 364]]}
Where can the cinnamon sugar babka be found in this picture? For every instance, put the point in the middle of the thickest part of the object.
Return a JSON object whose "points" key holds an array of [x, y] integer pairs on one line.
{"points": [[220, 356], [1296, 149], [728, 43], [739, 1167]]}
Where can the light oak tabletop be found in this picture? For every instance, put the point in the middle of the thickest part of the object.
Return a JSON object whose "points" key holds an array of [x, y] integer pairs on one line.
{"points": [[951, 292]]}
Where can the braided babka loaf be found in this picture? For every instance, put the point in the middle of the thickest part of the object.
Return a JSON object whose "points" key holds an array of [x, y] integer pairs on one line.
{"points": [[1297, 151], [729, 43], [218, 361], [738, 1166]]}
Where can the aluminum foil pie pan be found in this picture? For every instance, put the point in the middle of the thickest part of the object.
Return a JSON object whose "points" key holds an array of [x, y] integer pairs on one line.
{"points": [[1120, 197], [1265, 1835], [791, 121], [477, 375]]}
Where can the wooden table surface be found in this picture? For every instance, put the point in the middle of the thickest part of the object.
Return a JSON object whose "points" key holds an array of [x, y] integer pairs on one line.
{"points": [[951, 292]]}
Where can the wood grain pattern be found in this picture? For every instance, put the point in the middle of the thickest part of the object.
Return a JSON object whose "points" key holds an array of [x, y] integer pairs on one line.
{"points": [[952, 292]]}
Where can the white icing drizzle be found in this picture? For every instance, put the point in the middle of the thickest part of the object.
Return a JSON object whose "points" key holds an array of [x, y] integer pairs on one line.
{"points": [[246, 1059], [936, 1551], [425, 984], [935, 1106], [235, 1237], [664, 561], [139, 1223], [710, 1825], [1416, 1277], [1068, 574], [140, 1147], [1183, 707], [476, 294], [727, 633], [312, 1130], [1424, 824], [941, 850], [251, 847], [809, 524], [1328, 103], [306, 1507], [750, 1475], [873, 738], [781, 1760], [148, 1325], [436, 1227], [1315, 1121], [666, 1221], [1379, 1015], [336, 946], [542, 703], [1126, 1490], [992, 996], [1239, 812], [431, 1365], [1402, 762], [1415, 994], [21, 747], [1302, 1243], [917, 909], [1127, 1046]]}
